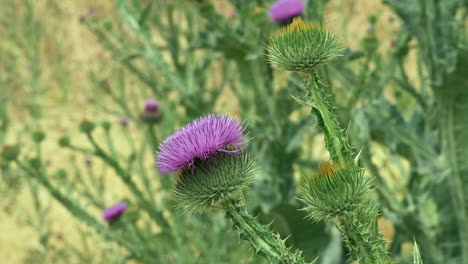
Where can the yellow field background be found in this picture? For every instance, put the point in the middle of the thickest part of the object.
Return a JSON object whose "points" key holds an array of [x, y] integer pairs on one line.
{"points": [[81, 53]]}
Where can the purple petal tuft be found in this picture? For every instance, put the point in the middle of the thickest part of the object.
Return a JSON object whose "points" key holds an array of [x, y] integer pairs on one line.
{"points": [[113, 212], [199, 140], [286, 9]]}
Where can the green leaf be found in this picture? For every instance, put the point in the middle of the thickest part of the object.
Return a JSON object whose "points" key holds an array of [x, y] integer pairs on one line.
{"points": [[416, 255]]}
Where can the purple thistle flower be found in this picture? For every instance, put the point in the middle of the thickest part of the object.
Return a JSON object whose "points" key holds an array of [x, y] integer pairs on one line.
{"points": [[113, 212], [199, 140], [151, 106], [283, 11], [123, 121]]}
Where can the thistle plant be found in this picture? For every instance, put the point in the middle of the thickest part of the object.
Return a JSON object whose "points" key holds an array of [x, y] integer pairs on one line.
{"points": [[213, 171], [340, 191]]}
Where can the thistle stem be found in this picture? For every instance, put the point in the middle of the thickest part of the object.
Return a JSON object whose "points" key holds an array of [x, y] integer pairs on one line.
{"points": [[265, 243], [366, 247], [334, 140]]}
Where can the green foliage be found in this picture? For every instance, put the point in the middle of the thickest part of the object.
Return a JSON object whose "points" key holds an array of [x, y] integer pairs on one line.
{"points": [[213, 181]]}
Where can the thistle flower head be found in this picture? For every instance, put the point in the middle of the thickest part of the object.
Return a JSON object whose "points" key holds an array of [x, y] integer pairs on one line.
{"points": [[283, 11], [335, 190], [224, 175], [151, 106], [114, 212], [199, 140], [302, 47]]}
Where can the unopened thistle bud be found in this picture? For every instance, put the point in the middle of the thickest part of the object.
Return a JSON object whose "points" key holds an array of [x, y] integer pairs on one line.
{"points": [[87, 126], [209, 154], [10, 153], [64, 141], [106, 125], [38, 136], [335, 190], [302, 47]]}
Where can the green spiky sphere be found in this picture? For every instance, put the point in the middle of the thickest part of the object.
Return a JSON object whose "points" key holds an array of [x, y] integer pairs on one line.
{"points": [[214, 180], [302, 47], [335, 191]]}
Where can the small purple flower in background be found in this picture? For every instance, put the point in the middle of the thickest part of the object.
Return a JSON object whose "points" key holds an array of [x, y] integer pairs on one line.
{"points": [[370, 30], [81, 18], [151, 106], [391, 18], [123, 121], [283, 11], [199, 140], [89, 161], [91, 11], [114, 212]]}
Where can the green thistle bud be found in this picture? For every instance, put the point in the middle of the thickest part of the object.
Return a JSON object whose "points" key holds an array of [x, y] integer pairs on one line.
{"points": [[302, 47], [106, 125], [64, 141], [87, 126], [213, 181], [335, 191], [38, 136], [370, 43], [10, 153]]}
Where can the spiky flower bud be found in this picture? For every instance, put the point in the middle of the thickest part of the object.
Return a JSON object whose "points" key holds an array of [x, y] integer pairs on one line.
{"points": [[64, 141], [38, 136], [302, 47], [208, 152], [106, 125], [87, 126], [334, 191], [10, 153]]}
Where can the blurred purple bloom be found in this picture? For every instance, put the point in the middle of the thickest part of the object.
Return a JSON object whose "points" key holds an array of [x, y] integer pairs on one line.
{"points": [[151, 106], [285, 10], [89, 160], [91, 11], [370, 30], [113, 212], [82, 18], [123, 121], [391, 18], [199, 140]]}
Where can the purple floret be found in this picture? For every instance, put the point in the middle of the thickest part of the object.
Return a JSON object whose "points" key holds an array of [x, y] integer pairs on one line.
{"points": [[285, 10], [123, 121], [199, 140], [114, 212], [151, 106]]}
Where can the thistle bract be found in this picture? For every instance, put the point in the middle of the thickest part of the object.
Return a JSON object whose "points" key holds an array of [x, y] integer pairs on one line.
{"points": [[302, 47], [334, 191], [283, 11], [199, 140], [114, 212], [214, 180]]}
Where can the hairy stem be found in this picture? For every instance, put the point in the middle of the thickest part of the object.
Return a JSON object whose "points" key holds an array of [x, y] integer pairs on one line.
{"points": [[260, 237], [334, 140]]}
